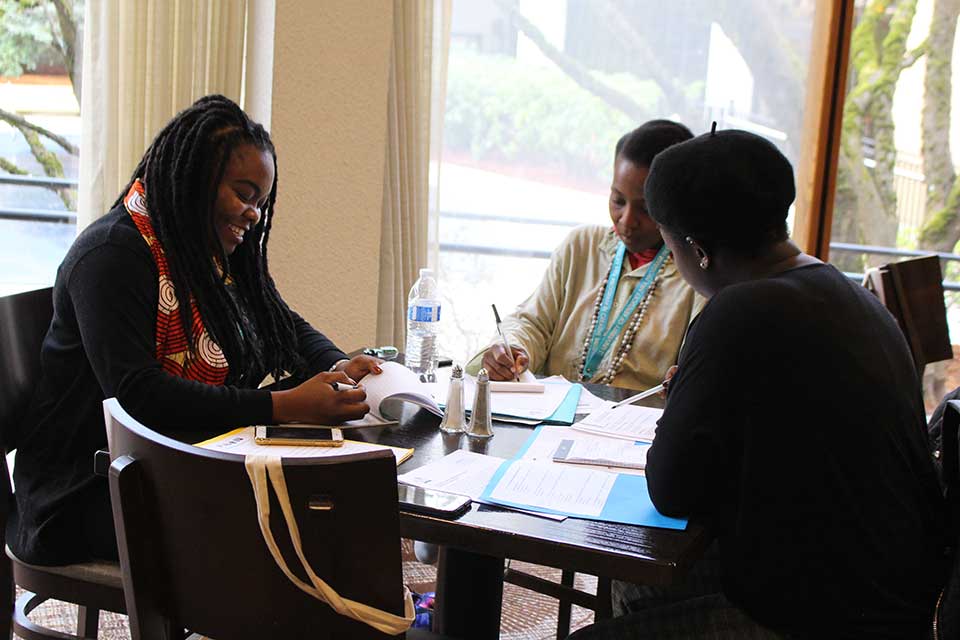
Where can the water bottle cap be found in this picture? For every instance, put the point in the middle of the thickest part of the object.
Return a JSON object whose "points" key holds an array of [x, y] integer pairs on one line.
{"points": [[426, 272]]}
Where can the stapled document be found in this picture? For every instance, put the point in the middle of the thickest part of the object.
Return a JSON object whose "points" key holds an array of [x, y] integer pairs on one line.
{"points": [[628, 422], [608, 452], [543, 443]]}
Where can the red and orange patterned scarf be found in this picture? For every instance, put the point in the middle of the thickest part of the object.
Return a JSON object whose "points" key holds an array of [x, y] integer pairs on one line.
{"points": [[203, 360]]}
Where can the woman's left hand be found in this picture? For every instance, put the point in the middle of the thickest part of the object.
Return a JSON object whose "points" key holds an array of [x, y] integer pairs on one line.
{"points": [[359, 366]]}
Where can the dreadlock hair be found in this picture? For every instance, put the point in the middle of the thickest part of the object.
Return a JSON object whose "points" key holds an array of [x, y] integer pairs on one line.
{"points": [[181, 171]]}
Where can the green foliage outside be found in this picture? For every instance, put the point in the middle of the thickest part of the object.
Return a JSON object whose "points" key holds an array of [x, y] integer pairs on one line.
{"points": [[26, 37], [35, 34], [502, 110]]}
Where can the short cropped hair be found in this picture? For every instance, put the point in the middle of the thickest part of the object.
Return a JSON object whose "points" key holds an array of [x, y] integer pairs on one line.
{"points": [[727, 188], [646, 141]]}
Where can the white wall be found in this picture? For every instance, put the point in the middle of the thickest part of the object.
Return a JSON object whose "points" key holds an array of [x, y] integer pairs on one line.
{"points": [[328, 122]]}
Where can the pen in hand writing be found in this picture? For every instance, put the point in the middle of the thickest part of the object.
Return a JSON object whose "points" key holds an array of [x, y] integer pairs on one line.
{"points": [[506, 345], [343, 386]]}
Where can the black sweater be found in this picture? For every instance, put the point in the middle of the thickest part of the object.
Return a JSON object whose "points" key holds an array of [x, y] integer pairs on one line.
{"points": [[101, 344], [795, 425]]}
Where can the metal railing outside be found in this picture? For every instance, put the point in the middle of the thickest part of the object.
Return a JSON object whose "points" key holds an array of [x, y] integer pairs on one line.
{"points": [[898, 253], [38, 215], [532, 253], [52, 215]]}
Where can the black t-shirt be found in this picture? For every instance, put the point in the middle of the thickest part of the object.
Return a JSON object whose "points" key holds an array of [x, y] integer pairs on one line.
{"points": [[101, 344], [795, 426]]}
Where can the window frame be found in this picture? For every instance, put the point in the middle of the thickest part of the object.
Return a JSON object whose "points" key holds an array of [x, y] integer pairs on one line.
{"points": [[823, 114]]}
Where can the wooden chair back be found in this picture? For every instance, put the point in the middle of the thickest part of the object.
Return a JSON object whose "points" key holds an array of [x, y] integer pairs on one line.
{"points": [[912, 290], [947, 620], [24, 321], [192, 554]]}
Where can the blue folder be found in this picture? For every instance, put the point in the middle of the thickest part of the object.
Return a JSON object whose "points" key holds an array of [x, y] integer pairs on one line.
{"points": [[567, 410], [628, 503]]}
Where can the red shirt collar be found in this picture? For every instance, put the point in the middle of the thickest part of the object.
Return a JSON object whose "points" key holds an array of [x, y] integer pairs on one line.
{"points": [[642, 258]]}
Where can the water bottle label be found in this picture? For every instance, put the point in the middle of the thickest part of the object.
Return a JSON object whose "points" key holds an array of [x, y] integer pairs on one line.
{"points": [[424, 313]]}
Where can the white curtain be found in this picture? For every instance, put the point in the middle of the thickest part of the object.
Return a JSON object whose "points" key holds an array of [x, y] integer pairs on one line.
{"points": [[143, 61], [421, 31]]}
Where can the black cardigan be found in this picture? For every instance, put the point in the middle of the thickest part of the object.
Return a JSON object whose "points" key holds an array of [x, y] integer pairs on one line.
{"points": [[101, 343], [795, 425]]}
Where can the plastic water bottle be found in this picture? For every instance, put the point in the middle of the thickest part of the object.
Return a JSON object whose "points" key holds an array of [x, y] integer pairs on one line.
{"points": [[423, 324]]}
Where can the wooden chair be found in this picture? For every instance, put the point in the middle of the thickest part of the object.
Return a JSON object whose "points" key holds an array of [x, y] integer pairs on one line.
{"points": [[946, 623], [912, 290], [193, 556], [92, 586]]}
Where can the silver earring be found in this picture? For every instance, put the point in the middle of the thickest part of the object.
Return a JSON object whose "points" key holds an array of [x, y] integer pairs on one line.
{"points": [[704, 263]]}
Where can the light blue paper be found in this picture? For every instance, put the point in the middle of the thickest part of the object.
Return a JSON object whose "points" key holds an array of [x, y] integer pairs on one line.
{"points": [[628, 503], [567, 411]]}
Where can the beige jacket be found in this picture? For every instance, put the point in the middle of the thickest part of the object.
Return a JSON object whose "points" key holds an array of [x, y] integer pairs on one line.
{"points": [[552, 324]]}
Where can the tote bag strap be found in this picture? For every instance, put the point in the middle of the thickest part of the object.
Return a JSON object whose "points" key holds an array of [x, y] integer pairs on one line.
{"points": [[267, 470]]}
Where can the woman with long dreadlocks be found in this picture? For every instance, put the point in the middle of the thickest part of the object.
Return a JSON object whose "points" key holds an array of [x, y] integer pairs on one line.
{"points": [[167, 304]]}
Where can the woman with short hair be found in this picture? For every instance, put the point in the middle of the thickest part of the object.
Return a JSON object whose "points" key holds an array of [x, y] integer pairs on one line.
{"points": [[611, 307]]}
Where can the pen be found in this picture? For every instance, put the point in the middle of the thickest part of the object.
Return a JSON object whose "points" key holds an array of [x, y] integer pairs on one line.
{"points": [[506, 345], [640, 396], [343, 386]]}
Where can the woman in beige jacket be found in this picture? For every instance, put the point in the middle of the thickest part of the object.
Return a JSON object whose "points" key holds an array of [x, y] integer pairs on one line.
{"points": [[611, 307]]}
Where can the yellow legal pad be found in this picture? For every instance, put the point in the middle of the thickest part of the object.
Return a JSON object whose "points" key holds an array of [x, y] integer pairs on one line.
{"points": [[240, 441]]}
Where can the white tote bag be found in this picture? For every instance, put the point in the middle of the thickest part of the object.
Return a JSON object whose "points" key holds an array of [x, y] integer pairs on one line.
{"points": [[268, 470]]}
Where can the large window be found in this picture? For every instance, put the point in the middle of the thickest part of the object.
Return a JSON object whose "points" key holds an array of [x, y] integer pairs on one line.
{"points": [[40, 43], [898, 193], [538, 94]]}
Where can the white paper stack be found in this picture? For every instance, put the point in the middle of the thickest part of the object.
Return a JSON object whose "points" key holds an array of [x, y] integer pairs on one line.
{"points": [[627, 422]]}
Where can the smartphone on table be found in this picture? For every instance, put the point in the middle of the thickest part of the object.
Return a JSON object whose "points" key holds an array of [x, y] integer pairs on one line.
{"points": [[299, 436], [431, 502]]}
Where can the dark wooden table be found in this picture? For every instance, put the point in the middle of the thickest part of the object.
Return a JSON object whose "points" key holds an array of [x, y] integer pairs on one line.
{"points": [[474, 546]]}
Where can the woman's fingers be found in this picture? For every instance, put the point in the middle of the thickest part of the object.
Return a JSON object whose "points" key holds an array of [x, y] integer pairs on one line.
{"points": [[347, 404], [672, 371], [352, 396], [361, 365], [335, 376], [498, 364], [523, 360], [355, 411]]}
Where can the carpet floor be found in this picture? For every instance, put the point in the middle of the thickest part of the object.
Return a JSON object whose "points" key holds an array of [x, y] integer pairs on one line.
{"points": [[526, 615]]}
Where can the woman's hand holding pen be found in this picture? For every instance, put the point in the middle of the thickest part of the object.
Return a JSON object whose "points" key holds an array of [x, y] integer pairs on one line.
{"points": [[316, 401], [501, 365]]}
